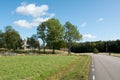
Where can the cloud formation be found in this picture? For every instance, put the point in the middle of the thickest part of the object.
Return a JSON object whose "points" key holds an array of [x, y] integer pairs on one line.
{"points": [[84, 24], [32, 10], [89, 36], [26, 24], [100, 19], [22, 23], [38, 13]]}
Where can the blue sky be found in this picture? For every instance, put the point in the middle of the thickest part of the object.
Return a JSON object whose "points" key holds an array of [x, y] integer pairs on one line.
{"points": [[95, 19]]}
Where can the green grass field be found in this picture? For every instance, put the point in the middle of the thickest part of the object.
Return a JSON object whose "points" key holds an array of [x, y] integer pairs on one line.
{"points": [[33, 67], [80, 71]]}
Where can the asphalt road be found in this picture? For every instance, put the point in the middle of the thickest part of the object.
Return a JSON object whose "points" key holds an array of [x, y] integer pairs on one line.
{"points": [[105, 68]]}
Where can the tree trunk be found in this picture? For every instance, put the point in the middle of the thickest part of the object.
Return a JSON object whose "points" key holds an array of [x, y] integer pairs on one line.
{"points": [[69, 48], [39, 50], [53, 52], [44, 47]]}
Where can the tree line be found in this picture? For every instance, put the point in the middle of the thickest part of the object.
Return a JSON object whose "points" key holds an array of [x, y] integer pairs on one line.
{"points": [[101, 46], [57, 36], [53, 34], [10, 39]]}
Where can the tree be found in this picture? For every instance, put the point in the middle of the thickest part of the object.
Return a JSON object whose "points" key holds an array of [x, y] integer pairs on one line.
{"points": [[0, 33], [54, 32], [71, 34], [12, 38], [58, 45], [42, 33], [95, 51], [101, 46], [33, 43], [2, 41]]}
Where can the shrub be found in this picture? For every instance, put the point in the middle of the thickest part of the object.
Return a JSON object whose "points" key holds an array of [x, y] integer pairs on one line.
{"points": [[95, 51]]}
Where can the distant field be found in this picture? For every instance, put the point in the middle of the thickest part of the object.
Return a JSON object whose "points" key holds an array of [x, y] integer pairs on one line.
{"points": [[116, 54], [112, 54], [33, 67]]}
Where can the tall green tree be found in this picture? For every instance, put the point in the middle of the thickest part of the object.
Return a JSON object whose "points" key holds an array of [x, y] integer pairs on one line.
{"points": [[0, 32], [42, 33], [58, 45], [71, 34], [54, 32], [12, 38], [2, 41]]}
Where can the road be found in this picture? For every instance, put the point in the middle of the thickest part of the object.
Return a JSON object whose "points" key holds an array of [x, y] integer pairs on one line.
{"points": [[105, 67]]}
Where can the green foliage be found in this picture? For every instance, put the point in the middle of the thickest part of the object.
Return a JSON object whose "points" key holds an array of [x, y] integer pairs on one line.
{"points": [[12, 38], [71, 34], [58, 45], [2, 41], [33, 43], [102, 46], [95, 51], [51, 32], [32, 67], [42, 33], [54, 32]]}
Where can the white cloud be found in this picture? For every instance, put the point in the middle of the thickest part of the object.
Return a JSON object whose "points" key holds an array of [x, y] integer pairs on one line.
{"points": [[22, 23], [32, 10], [100, 19], [39, 14], [84, 24], [26, 24], [89, 36], [37, 21]]}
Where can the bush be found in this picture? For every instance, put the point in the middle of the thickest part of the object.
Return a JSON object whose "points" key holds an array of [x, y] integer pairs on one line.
{"points": [[95, 51]]}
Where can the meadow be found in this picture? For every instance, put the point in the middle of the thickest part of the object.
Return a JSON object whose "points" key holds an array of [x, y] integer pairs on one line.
{"points": [[80, 71], [37, 67]]}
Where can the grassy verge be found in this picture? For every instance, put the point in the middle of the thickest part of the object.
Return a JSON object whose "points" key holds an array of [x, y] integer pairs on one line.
{"points": [[115, 54], [80, 71], [32, 67], [62, 72]]}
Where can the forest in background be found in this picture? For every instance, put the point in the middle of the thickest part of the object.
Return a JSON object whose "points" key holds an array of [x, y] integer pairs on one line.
{"points": [[101, 46]]}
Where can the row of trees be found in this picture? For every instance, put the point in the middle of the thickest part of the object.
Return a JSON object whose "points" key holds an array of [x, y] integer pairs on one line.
{"points": [[55, 35], [10, 39], [33, 43], [101, 46], [51, 32]]}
